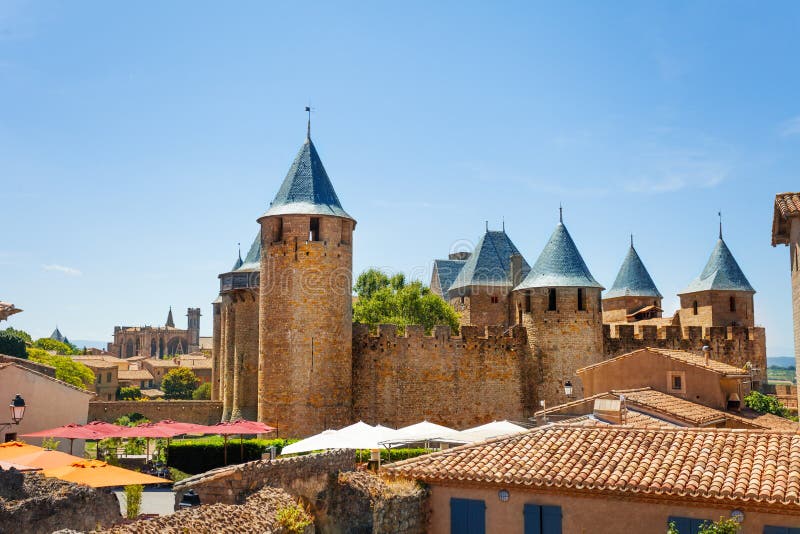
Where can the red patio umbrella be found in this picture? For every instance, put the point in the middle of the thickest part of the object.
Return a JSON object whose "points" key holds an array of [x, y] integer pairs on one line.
{"points": [[71, 432], [110, 430], [238, 427], [177, 428]]}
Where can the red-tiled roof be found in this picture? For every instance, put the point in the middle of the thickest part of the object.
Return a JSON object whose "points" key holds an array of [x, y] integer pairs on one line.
{"points": [[788, 204], [137, 374], [679, 355], [730, 466]]}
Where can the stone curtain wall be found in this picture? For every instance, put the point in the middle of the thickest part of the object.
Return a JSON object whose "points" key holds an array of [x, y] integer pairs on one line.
{"points": [[734, 345], [34, 504], [198, 412], [302, 476], [457, 381]]}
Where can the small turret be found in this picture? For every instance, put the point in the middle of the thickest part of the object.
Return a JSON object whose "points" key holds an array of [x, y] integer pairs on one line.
{"points": [[634, 296], [170, 320]]}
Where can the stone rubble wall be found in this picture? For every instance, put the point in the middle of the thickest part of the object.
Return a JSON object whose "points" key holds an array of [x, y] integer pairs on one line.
{"points": [[34, 504], [303, 476]]}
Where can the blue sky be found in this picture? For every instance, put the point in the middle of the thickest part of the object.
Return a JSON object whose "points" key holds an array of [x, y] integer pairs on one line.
{"points": [[140, 141]]}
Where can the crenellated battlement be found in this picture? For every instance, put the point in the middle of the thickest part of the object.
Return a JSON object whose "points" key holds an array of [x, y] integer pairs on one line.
{"points": [[688, 333]]}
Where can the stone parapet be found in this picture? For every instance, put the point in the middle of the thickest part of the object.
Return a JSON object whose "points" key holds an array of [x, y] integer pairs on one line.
{"points": [[199, 412]]}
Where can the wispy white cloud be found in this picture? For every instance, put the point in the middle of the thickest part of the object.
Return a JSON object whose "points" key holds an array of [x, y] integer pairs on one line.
{"points": [[671, 170], [69, 271], [790, 127]]}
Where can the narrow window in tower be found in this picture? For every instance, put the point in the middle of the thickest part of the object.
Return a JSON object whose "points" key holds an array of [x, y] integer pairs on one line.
{"points": [[279, 230], [733, 304], [694, 308], [527, 302], [519, 319], [495, 299], [313, 232], [581, 305], [551, 302]]}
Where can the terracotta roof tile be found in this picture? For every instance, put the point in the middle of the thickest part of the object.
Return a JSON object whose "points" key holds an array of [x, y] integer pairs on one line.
{"points": [[671, 406], [139, 374], [731, 466], [788, 204], [681, 356], [632, 419]]}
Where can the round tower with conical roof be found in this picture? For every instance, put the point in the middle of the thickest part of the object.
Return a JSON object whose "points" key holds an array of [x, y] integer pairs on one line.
{"points": [[721, 295], [305, 303], [634, 296], [559, 303]]}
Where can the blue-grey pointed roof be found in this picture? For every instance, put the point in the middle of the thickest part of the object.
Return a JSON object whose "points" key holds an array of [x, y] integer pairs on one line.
{"points": [[307, 188], [721, 273], [447, 271], [252, 262], [633, 280], [238, 262], [490, 263], [559, 265], [57, 335]]}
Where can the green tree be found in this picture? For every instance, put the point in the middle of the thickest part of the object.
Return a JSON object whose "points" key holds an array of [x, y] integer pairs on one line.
{"points": [[203, 392], [45, 343], [12, 345], [179, 383], [766, 404], [67, 369], [133, 501], [723, 526], [390, 300], [129, 393], [21, 333]]}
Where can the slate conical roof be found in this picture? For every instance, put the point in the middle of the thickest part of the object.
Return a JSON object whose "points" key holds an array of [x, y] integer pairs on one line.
{"points": [[170, 320], [306, 188], [252, 262], [57, 335], [559, 265], [238, 262], [633, 280], [490, 263], [721, 273]]}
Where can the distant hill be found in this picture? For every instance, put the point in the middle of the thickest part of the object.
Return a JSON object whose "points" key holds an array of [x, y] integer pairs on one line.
{"points": [[781, 361], [80, 343]]}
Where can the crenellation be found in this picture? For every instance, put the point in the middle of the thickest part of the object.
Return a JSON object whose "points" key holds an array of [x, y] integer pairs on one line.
{"points": [[694, 332], [716, 333], [648, 332]]}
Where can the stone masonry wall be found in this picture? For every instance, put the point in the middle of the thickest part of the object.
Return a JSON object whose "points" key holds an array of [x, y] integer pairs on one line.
{"points": [[199, 412], [794, 258], [302, 476], [34, 504], [458, 381], [734, 345]]}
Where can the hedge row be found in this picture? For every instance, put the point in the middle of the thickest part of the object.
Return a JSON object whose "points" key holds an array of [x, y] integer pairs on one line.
{"points": [[198, 456]]}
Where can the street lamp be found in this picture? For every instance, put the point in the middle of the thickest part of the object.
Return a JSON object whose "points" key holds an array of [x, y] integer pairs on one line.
{"points": [[568, 388], [17, 408]]}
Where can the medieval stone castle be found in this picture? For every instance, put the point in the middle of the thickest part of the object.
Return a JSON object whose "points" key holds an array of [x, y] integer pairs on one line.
{"points": [[285, 350]]}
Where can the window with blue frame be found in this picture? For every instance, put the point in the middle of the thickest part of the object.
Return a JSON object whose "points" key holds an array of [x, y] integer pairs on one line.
{"points": [[467, 516], [542, 519], [688, 525], [781, 530]]}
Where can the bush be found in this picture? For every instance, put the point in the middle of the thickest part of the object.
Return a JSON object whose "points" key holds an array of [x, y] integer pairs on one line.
{"points": [[766, 404], [12, 344], [198, 456], [203, 392], [179, 383], [45, 343], [27, 337], [133, 501], [67, 369], [293, 519], [401, 454], [129, 393]]}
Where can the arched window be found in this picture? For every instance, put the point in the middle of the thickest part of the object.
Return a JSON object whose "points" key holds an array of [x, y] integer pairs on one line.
{"points": [[694, 308]]}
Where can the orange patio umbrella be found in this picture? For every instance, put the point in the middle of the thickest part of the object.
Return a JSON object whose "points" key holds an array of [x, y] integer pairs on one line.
{"points": [[98, 474], [46, 459], [12, 449]]}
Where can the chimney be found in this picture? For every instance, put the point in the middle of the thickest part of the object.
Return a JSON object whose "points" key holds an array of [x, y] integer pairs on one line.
{"points": [[516, 269]]}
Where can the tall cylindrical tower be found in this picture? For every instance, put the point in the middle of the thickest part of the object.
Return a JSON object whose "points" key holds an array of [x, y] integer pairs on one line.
{"points": [[305, 304]]}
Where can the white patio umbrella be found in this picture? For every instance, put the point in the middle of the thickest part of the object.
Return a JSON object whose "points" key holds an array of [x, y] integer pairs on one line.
{"points": [[495, 429], [418, 433], [313, 443], [363, 436]]}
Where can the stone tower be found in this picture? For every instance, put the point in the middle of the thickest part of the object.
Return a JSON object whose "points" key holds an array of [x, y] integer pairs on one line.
{"points": [[634, 296], [482, 288], [236, 339], [786, 231], [721, 295], [560, 306], [193, 328], [305, 304]]}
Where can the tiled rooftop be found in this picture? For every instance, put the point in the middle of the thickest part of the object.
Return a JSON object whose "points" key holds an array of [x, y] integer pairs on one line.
{"points": [[726, 466], [788, 204], [721, 273], [669, 405], [490, 263], [559, 265], [681, 356], [632, 419], [139, 374], [632, 280]]}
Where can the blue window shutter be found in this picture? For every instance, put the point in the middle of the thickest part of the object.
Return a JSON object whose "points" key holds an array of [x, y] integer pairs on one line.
{"points": [[776, 530], [551, 520], [683, 524], [533, 519], [467, 516]]}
